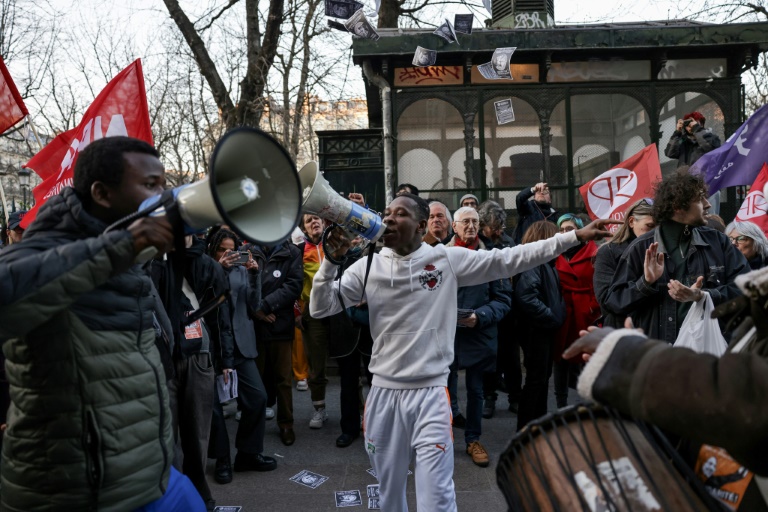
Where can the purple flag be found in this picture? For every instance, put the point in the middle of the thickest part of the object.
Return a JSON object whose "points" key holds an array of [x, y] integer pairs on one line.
{"points": [[739, 160]]}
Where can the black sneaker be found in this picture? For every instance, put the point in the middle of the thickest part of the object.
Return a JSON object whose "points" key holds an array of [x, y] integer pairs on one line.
{"points": [[250, 462], [345, 440], [459, 421]]}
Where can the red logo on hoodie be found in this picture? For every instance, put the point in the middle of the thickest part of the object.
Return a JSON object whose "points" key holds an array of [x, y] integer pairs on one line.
{"points": [[430, 278]]}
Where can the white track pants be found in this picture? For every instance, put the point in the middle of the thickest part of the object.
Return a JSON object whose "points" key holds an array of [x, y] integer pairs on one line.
{"points": [[401, 423]]}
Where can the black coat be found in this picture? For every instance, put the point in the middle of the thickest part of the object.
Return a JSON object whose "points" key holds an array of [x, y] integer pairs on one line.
{"points": [[688, 150], [606, 261], [281, 281], [651, 308], [538, 300], [208, 280]]}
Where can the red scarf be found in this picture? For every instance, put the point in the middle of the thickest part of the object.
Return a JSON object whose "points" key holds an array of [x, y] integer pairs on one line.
{"points": [[470, 245]]}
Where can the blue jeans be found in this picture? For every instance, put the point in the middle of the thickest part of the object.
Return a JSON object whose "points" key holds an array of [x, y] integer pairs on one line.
{"points": [[180, 496], [474, 381]]}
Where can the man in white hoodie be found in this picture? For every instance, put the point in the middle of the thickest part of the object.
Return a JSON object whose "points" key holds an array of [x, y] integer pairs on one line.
{"points": [[411, 295]]}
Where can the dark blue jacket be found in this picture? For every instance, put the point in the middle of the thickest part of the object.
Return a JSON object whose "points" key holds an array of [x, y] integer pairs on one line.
{"points": [[651, 308], [529, 212], [476, 347]]}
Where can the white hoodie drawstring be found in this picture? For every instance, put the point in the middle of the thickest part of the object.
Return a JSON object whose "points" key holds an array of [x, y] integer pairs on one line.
{"points": [[392, 273]]}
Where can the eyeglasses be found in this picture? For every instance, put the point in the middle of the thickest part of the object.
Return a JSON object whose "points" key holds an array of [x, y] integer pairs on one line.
{"points": [[735, 240], [467, 222], [647, 200]]}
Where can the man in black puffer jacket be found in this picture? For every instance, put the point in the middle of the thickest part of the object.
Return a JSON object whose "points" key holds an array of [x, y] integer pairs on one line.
{"points": [[89, 426]]}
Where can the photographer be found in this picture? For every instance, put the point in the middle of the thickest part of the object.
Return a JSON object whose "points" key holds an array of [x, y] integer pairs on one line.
{"points": [[691, 140]]}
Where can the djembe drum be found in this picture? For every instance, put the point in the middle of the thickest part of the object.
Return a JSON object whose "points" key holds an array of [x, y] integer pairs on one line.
{"points": [[589, 458]]}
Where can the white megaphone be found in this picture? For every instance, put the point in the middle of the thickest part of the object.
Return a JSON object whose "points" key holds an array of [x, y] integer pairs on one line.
{"points": [[252, 187], [320, 199]]}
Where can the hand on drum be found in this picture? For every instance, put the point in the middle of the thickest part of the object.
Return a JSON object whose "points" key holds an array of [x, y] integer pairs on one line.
{"points": [[590, 339]]}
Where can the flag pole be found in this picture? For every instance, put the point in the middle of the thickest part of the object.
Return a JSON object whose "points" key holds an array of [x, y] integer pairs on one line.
{"points": [[5, 204], [34, 131]]}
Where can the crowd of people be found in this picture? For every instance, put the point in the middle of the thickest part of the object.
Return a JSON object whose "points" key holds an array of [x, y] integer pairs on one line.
{"points": [[119, 366]]}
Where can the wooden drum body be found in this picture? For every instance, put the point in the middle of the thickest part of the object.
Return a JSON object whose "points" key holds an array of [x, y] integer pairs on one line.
{"points": [[588, 458]]}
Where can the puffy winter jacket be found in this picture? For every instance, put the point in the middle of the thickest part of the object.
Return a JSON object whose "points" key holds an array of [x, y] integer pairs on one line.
{"points": [[89, 425]]}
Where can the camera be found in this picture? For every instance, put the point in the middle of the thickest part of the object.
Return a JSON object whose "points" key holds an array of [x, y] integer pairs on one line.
{"points": [[687, 122]]}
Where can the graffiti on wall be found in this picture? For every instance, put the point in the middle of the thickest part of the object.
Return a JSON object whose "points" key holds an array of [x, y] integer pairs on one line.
{"points": [[429, 75]]}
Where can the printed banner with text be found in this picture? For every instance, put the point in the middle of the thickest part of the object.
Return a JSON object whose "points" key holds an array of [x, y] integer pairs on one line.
{"points": [[12, 108], [739, 159], [611, 193], [754, 208], [120, 109]]}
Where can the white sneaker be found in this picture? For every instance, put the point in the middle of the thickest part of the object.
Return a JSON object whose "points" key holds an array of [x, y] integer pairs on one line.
{"points": [[319, 418], [270, 413], [302, 385]]}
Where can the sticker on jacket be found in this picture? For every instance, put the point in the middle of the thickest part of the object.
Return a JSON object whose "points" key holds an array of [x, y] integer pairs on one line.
{"points": [[431, 278], [723, 477]]}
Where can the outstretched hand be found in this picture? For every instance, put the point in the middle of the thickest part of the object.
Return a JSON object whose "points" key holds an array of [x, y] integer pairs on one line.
{"points": [[596, 230], [590, 339]]}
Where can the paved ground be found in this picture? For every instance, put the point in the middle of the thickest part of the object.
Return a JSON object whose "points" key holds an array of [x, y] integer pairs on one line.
{"points": [[315, 450]]}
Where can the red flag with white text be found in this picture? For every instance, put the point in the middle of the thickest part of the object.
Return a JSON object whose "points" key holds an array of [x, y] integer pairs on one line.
{"points": [[119, 109], [12, 108], [754, 209], [610, 194]]}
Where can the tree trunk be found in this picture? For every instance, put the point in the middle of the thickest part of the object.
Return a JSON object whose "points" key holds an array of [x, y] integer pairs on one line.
{"points": [[204, 61], [261, 56], [389, 13]]}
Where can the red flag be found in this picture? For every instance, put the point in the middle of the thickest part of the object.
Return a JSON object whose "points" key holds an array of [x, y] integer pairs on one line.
{"points": [[754, 209], [12, 108], [119, 109], [611, 193]]}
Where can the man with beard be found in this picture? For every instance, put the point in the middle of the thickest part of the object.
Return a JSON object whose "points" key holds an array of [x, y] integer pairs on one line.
{"points": [[412, 302], [665, 270], [533, 204]]}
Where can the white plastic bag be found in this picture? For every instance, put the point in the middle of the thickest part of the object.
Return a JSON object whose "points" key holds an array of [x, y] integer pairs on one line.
{"points": [[700, 332]]}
